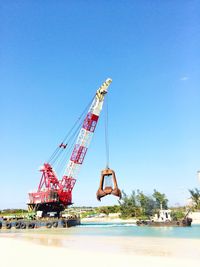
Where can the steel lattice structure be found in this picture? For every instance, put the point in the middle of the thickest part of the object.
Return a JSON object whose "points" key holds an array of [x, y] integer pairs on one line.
{"points": [[54, 194]]}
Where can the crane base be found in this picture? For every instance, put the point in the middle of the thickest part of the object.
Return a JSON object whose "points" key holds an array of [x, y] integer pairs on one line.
{"points": [[47, 208]]}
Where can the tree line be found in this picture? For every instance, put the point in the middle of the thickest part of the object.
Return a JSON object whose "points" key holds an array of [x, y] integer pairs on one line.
{"points": [[137, 205], [140, 205]]}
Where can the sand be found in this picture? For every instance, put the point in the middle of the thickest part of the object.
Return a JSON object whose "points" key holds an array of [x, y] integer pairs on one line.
{"points": [[95, 251]]}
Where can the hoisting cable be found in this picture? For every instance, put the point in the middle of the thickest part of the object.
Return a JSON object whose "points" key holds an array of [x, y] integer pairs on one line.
{"points": [[70, 143], [58, 150], [106, 133], [59, 165]]}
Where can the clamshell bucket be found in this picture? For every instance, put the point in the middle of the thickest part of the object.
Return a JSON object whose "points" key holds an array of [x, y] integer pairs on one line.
{"points": [[108, 185]]}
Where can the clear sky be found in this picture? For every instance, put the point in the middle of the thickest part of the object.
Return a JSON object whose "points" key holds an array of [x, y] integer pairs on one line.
{"points": [[53, 57]]}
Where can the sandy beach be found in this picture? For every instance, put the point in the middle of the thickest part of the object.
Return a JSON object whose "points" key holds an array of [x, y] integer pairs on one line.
{"points": [[53, 250]]}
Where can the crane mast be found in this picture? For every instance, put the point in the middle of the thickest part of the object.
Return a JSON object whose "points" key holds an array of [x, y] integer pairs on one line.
{"points": [[54, 194]]}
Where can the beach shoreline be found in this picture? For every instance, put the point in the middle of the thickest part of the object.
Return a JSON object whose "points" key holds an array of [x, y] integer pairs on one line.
{"points": [[51, 249]]}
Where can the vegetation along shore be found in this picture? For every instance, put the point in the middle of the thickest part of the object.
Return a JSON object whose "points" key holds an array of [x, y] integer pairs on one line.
{"points": [[133, 207]]}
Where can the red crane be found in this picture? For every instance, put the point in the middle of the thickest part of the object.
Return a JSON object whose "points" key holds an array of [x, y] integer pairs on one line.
{"points": [[54, 195]]}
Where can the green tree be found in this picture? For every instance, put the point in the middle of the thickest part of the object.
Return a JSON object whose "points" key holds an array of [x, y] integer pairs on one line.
{"points": [[128, 206], [177, 214], [108, 209], [146, 203], [195, 196], [161, 200]]}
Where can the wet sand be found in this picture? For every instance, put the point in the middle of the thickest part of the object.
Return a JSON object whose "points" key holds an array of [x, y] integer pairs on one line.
{"points": [[53, 250]]}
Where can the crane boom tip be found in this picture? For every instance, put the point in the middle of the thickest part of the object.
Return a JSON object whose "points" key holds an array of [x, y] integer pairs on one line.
{"points": [[109, 80]]}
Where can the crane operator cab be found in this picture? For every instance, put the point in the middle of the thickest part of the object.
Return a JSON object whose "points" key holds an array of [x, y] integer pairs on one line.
{"points": [[108, 184]]}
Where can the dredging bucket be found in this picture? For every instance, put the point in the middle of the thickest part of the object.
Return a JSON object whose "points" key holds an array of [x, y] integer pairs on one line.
{"points": [[108, 184]]}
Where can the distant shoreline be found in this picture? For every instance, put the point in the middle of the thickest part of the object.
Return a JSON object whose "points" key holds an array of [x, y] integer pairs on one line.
{"points": [[107, 220], [119, 220]]}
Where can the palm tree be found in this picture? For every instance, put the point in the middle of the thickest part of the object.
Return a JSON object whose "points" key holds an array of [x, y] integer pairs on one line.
{"points": [[161, 199], [195, 196]]}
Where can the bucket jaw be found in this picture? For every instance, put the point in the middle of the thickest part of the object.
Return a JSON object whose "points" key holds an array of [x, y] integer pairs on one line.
{"points": [[108, 189]]}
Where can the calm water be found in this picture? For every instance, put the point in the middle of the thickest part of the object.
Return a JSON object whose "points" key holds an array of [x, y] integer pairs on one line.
{"points": [[114, 229], [124, 229]]}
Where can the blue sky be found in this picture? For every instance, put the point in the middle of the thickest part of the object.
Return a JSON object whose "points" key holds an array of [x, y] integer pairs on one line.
{"points": [[53, 57]]}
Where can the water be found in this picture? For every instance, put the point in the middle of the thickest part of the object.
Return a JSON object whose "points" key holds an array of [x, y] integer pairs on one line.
{"points": [[116, 238], [103, 244], [113, 230], [127, 229]]}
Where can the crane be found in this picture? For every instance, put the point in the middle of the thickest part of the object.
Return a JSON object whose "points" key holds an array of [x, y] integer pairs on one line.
{"points": [[54, 195]]}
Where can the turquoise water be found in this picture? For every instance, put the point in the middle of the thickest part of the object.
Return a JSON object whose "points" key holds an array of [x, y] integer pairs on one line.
{"points": [[113, 229], [124, 229]]}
